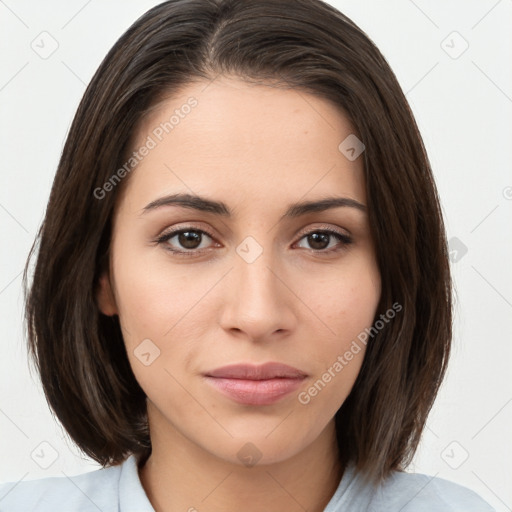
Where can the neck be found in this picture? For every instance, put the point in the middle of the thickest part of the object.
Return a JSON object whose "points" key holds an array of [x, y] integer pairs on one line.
{"points": [[180, 476]]}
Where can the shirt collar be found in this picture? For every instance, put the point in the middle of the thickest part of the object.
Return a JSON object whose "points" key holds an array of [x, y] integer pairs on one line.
{"points": [[132, 496]]}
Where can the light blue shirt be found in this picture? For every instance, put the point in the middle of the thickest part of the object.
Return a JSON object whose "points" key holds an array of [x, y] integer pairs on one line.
{"points": [[118, 488]]}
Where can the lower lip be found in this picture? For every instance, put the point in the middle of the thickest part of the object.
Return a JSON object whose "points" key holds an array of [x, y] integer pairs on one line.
{"points": [[255, 392]]}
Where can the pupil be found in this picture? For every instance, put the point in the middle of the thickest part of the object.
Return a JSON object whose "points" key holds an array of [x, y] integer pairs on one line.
{"points": [[318, 240], [189, 239]]}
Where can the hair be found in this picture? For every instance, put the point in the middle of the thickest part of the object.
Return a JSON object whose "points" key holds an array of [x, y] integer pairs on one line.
{"points": [[304, 45]]}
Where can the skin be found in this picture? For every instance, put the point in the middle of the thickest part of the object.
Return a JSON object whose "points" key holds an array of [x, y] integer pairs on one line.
{"points": [[258, 149]]}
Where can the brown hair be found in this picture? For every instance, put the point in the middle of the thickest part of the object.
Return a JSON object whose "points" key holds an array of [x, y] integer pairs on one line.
{"points": [[302, 44]]}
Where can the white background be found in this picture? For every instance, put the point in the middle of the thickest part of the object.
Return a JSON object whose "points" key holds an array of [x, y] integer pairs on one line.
{"points": [[463, 106]]}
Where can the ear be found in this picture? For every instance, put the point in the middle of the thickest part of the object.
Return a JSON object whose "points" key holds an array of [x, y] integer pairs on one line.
{"points": [[105, 297]]}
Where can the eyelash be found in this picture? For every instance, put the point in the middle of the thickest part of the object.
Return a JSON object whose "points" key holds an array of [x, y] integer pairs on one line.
{"points": [[344, 240]]}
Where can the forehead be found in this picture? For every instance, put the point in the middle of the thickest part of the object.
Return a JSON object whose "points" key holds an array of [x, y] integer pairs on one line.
{"points": [[245, 140]]}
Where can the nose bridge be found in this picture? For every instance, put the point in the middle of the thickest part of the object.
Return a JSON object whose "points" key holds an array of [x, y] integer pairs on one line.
{"points": [[255, 278], [257, 302], [256, 282]]}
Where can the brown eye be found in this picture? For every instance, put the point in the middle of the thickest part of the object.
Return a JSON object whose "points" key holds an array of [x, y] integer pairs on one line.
{"points": [[185, 240], [318, 240], [325, 240], [189, 239]]}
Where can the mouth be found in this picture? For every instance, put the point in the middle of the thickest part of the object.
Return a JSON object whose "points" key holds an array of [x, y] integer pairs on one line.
{"points": [[256, 384]]}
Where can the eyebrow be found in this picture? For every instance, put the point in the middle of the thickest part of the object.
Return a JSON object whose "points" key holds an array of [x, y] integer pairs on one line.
{"points": [[219, 208]]}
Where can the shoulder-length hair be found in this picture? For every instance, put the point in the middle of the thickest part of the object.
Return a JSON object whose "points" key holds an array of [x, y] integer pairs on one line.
{"points": [[299, 44]]}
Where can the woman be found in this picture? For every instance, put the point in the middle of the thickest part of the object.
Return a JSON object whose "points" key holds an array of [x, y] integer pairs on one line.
{"points": [[242, 296]]}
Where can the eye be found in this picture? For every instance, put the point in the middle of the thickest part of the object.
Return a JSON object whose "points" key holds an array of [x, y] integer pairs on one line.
{"points": [[190, 241], [185, 241], [324, 240]]}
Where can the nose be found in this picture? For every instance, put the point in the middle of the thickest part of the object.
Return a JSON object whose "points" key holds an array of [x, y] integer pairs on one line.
{"points": [[260, 303]]}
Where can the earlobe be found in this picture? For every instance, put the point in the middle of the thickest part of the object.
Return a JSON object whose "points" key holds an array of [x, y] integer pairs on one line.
{"points": [[105, 297]]}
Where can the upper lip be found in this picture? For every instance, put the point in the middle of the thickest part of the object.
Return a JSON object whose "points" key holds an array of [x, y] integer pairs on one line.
{"points": [[257, 372]]}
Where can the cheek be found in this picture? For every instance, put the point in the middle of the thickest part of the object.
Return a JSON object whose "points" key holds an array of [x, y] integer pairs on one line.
{"points": [[339, 356], [347, 302], [158, 306], [153, 297], [347, 305], [154, 306]]}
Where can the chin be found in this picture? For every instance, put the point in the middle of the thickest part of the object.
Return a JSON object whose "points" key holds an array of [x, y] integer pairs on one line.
{"points": [[258, 447]]}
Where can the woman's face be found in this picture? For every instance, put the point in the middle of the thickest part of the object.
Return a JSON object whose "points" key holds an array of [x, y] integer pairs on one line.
{"points": [[253, 278]]}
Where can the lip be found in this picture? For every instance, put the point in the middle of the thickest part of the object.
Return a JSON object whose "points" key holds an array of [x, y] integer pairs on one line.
{"points": [[250, 371], [256, 384]]}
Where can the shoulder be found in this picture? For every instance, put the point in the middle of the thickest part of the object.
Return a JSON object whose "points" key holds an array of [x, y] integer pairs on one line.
{"points": [[93, 491], [415, 492]]}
